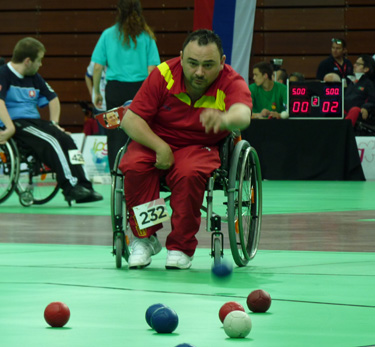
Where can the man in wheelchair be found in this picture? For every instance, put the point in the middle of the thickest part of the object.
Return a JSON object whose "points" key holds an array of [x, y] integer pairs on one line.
{"points": [[178, 117], [22, 90]]}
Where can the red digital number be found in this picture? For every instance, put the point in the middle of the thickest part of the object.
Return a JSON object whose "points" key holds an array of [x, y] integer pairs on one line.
{"points": [[330, 107], [298, 91], [300, 107], [335, 106], [332, 91]]}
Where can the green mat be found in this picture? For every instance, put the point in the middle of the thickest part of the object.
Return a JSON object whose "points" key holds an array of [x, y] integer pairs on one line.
{"points": [[318, 298]]}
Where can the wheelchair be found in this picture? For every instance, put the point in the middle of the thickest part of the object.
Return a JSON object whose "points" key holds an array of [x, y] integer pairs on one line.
{"points": [[239, 176], [21, 171]]}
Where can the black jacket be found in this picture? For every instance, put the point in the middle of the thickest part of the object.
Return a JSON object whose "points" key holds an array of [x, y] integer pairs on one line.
{"points": [[330, 65], [360, 94]]}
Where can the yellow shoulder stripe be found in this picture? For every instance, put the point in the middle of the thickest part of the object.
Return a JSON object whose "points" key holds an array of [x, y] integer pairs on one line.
{"points": [[216, 103], [166, 72]]}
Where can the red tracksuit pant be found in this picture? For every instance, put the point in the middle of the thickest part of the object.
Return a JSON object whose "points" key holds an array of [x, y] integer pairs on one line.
{"points": [[187, 180], [353, 114]]}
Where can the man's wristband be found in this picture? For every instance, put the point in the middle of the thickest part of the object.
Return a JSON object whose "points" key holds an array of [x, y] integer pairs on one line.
{"points": [[54, 122]]}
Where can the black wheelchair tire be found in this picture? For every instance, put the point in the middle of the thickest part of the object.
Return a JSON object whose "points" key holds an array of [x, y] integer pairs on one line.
{"points": [[243, 238], [119, 212], [119, 250]]}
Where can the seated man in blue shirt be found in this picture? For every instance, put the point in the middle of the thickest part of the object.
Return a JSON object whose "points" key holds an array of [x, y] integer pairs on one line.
{"points": [[22, 90]]}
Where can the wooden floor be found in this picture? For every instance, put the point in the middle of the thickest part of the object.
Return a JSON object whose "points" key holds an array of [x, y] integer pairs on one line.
{"points": [[341, 217], [346, 231]]}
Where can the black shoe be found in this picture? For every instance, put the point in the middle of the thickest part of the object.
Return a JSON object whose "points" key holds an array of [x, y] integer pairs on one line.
{"points": [[77, 193], [94, 196]]}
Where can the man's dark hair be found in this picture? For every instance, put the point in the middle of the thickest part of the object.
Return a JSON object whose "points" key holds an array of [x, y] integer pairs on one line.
{"points": [[300, 77], [203, 38], [283, 75], [264, 68], [27, 47]]}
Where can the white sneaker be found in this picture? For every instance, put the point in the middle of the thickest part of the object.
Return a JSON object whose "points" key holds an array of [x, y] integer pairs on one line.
{"points": [[178, 260], [142, 250]]}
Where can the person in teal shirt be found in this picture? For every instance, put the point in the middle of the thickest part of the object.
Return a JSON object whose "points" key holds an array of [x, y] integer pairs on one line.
{"points": [[128, 50], [269, 97]]}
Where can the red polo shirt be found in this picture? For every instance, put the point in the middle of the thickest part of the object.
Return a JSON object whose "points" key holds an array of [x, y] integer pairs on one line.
{"points": [[164, 104]]}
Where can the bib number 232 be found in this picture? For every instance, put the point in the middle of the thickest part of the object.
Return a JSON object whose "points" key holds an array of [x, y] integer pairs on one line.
{"points": [[151, 213]]}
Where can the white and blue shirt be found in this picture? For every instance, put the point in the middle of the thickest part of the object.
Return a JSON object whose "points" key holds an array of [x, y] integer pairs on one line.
{"points": [[23, 94]]}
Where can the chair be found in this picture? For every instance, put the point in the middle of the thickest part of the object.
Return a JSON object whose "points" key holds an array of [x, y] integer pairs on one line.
{"points": [[240, 178], [23, 172]]}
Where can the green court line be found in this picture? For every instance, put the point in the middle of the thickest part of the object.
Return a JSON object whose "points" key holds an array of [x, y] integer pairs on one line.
{"points": [[279, 197]]}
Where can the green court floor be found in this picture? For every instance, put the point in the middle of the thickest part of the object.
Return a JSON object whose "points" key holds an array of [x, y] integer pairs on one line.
{"points": [[279, 197], [318, 298]]}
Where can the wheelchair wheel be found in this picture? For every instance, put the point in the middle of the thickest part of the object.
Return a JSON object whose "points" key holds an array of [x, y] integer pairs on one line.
{"points": [[9, 169], [36, 183], [244, 203], [119, 213], [119, 250], [217, 250]]}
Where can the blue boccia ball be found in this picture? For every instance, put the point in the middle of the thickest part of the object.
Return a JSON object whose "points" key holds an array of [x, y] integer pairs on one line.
{"points": [[164, 320], [184, 345], [223, 269], [150, 311]]}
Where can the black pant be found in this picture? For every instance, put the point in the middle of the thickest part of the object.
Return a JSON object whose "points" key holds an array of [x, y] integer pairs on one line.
{"points": [[116, 94], [52, 147]]}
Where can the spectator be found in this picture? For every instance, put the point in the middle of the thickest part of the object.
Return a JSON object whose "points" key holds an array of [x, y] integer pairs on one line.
{"points": [[22, 91], [296, 77], [280, 76], [332, 77], [359, 97], [176, 120], [129, 51], [336, 62], [269, 97], [89, 83]]}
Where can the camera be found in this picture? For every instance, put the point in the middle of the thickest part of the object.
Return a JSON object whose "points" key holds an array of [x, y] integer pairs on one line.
{"points": [[276, 63]]}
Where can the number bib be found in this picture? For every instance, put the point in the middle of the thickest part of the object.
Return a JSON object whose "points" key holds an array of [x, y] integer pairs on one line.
{"points": [[151, 213], [75, 157]]}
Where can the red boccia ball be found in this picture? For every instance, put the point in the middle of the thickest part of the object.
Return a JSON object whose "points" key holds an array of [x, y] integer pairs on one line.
{"points": [[57, 314], [258, 301], [229, 307]]}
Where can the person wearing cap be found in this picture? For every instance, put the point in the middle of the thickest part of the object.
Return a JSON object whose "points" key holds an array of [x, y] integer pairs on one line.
{"points": [[336, 62]]}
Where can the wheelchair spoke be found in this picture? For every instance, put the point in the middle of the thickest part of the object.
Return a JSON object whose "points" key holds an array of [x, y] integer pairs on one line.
{"points": [[36, 184]]}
